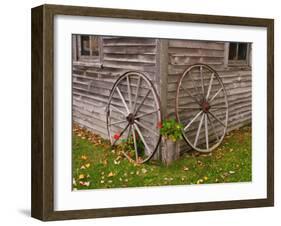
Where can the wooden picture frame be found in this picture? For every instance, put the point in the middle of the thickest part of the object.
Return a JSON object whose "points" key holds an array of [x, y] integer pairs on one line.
{"points": [[42, 203]]}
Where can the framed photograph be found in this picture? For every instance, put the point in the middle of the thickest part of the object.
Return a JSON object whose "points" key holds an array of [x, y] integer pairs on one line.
{"points": [[141, 112]]}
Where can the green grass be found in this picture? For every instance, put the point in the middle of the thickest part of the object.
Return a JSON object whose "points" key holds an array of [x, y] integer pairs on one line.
{"points": [[98, 166]]}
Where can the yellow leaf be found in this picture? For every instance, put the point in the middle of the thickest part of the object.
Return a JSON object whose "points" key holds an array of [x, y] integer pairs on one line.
{"points": [[185, 168], [88, 165], [82, 167], [205, 178], [200, 181], [84, 157], [81, 176], [110, 174]]}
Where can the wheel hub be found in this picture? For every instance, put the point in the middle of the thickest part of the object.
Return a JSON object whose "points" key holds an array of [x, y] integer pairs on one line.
{"points": [[131, 118], [205, 106]]}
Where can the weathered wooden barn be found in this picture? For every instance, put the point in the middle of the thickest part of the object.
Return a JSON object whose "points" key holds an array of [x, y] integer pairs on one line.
{"points": [[98, 61]]}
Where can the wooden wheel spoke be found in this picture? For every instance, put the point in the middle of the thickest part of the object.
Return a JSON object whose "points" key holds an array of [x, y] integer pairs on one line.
{"points": [[142, 101], [206, 132], [189, 108], [215, 95], [145, 114], [202, 81], [195, 117], [217, 119], [193, 97], [122, 132], [218, 108], [123, 100], [137, 94], [117, 122], [198, 131], [146, 127], [194, 85], [210, 86], [142, 138], [117, 109], [129, 92], [213, 128], [135, 143]]}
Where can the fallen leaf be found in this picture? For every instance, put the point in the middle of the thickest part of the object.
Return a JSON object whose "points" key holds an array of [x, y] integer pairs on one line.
{"points": [[110, 181], [87, 165], [84, 157], [143, 170], [200, 181], [81, 176], [116, 162], [86, 183], [205, 178], [110, 174], [185, 168], [102, 181], [231, 172]]}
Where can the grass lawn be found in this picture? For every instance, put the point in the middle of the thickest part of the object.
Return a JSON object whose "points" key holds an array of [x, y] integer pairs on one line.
{"points": [[97, 165]]}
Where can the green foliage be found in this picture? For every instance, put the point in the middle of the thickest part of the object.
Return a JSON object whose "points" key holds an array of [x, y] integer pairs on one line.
{"points": [[128, 145], [171, 130]]}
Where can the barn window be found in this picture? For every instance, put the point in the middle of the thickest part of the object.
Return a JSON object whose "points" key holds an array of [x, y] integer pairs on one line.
{"points": [[238, 53], [88, 48]]}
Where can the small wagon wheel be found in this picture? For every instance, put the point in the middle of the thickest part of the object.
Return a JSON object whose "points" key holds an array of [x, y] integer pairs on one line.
{"points": [[133, 113], [202, 107]]}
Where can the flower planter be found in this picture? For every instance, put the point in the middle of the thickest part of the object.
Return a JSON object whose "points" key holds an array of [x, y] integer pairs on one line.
{"points": [[170, 151]]}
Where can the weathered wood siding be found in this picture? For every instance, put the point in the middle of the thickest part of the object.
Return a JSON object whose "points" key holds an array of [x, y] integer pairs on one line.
{"points": [[93, 81], [237, 80]]}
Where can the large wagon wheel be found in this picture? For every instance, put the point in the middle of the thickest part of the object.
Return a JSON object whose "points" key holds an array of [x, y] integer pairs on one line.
{"points": [[202, 107], [133, 113]]}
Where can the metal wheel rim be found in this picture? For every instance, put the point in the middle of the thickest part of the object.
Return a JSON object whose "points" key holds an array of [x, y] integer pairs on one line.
{"points": [[186, 72], [135, 126]]}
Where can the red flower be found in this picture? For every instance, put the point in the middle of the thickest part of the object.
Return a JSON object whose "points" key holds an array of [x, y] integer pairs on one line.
{"points": [[159, 125], [116, 136]]}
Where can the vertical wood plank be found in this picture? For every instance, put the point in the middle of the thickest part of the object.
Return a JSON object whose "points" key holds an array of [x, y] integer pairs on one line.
{"points": [[226, 53], [74, 47]]}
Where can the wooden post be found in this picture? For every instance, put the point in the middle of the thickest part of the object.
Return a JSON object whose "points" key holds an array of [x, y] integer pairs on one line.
{"points": [[167, 150]]}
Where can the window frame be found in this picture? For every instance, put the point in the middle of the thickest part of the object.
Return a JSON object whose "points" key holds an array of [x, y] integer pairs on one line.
{"points": [[236, 62], [77, 54]]}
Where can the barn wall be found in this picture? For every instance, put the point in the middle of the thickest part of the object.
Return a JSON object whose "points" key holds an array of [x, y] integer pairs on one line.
{"points": [[237, 80], [92, 82]]}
